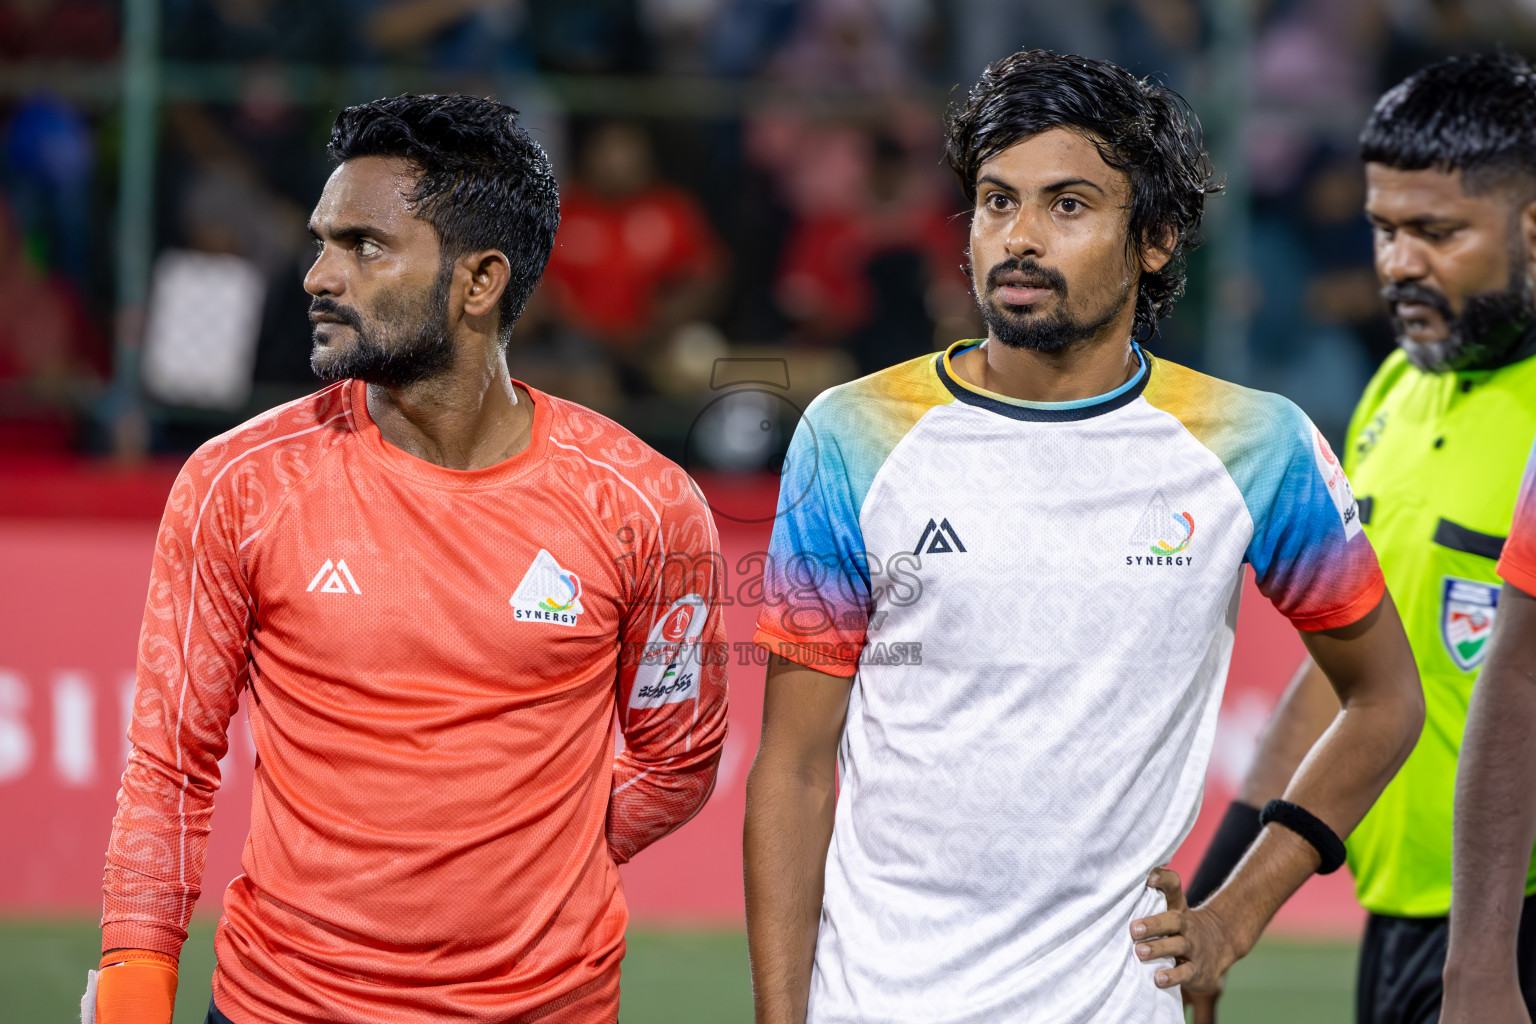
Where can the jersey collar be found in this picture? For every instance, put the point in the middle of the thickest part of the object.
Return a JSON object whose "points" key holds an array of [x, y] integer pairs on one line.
{"points": [[400, 461], [1047, 412]]}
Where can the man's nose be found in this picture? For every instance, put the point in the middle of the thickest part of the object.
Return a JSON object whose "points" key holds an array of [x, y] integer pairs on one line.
{"points": [[324, 276], [1024, 235], [1401, 259]]}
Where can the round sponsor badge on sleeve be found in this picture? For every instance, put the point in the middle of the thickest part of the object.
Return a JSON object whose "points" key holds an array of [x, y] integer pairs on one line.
{"points": [[669, 667]]}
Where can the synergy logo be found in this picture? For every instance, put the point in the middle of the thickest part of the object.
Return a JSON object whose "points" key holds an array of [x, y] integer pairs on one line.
{"points": [[1163, 533], [547, 593], [1185, 524], [570, 594]]}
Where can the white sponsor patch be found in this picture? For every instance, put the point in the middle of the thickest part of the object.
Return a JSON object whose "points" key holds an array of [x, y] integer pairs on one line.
{"points": [[670, 663], [547, 593], [1338, 484]]}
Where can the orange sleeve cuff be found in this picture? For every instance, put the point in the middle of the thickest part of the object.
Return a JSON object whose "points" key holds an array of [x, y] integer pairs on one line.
{"points": [[123, 956], [134, 933], [1517, 573], [1348, 615], [136, 986], [833, 658]]}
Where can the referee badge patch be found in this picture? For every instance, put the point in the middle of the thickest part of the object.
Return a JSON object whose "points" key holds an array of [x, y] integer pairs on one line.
{"points": [[1467, 609]]}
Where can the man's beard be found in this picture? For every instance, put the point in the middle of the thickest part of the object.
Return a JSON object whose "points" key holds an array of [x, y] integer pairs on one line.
{"points": [[405, 342], [1016, 328], [1494, 328]]}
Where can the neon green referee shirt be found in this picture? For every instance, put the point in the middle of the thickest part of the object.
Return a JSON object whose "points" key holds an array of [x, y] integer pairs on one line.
{"points": [[1436, 461]]}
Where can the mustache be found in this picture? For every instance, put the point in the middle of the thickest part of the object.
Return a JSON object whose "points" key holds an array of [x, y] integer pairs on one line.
{"points": [[1412, 291], [330, 307], [1035, 275]]}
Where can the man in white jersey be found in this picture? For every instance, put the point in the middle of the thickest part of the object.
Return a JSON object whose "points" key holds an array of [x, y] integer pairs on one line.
{"points": [[1001, 595]]}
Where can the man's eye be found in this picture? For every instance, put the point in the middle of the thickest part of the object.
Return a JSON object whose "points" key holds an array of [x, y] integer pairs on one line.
{"points": [[1069, 205], [367, 247], [997, 201]]}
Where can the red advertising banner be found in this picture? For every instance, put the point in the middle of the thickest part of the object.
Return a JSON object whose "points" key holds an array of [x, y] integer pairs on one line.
{"points": [[72, 588]]}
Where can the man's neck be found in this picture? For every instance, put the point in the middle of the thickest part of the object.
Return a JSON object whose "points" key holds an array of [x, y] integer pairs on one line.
{"points": [[1086, 370], [470, 418]]}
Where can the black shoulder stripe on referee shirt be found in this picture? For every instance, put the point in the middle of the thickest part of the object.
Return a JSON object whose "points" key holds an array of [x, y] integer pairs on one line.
{"points": [[1366, 503], [1460, 538]]}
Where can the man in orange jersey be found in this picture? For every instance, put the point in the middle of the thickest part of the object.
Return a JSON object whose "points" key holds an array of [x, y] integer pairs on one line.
{"points": [[441, 590]]}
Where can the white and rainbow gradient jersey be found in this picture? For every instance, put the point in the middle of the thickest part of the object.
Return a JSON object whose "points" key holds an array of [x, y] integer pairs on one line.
{"points": [[1036, 603]]}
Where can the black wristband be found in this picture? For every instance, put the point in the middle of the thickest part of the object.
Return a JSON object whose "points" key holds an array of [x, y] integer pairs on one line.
{"points": [[1311, 828], [1238, 829]]}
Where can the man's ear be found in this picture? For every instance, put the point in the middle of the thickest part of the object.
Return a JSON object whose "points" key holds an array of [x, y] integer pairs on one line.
{"points": [[489, 274], [1155, 255]]}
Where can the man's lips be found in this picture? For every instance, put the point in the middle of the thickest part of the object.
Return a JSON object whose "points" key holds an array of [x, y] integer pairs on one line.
{"points": [[1021, 294], [324, 325], [1416, 311], [1419, 318], [1421, 322]]}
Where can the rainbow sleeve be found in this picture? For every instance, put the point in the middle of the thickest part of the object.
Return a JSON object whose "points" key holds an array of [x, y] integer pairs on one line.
{"points": [[1309, 554], [1517, 565], [816, 582]]}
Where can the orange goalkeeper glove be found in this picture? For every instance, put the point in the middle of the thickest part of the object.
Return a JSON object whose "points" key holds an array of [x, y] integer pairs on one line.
{"points": [[134, 986]]}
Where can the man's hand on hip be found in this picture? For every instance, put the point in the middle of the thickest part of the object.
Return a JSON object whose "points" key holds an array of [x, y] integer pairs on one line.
{"points": [[1199, 941]]}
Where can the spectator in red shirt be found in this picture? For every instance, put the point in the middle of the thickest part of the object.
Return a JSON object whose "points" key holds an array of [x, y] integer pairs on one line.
{"points": [[868, 264], [635, 258]]}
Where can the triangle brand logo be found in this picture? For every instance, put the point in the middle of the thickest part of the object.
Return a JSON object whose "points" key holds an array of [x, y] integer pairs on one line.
{"points": [[547, 593], [1153, 522], [943, 539], [329, 578]]}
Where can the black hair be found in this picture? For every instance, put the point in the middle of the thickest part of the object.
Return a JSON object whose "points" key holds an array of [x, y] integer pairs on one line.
{"points": [[1139, 126], [1475, 114], [483, 182]]}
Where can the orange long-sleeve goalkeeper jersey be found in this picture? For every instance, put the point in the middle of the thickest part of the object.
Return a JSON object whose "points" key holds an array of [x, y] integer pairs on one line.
{"points": [[432, 661]]}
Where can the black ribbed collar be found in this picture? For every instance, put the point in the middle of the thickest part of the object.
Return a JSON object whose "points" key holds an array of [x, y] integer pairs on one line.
{"points": [[1045, 412]]}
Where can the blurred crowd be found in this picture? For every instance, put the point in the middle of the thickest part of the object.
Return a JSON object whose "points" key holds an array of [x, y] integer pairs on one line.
{"points": [[738, 176]]}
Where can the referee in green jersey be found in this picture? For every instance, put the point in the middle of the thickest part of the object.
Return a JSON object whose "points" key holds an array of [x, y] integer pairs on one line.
{"points": [[1435, 451]]}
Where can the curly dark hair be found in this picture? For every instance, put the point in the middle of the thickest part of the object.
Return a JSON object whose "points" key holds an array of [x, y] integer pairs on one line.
{"points": [[1140, 127], [1475, 114], [483, 184]]}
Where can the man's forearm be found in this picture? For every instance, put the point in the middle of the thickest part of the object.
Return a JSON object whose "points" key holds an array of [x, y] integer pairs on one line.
{"points": [[1372, 670], [671, 757], [1276, 866], [1495, 809], [1338, 782], [1304, 713], [1371, 667], [649, 801], [1353, 762], [788, 829]]}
